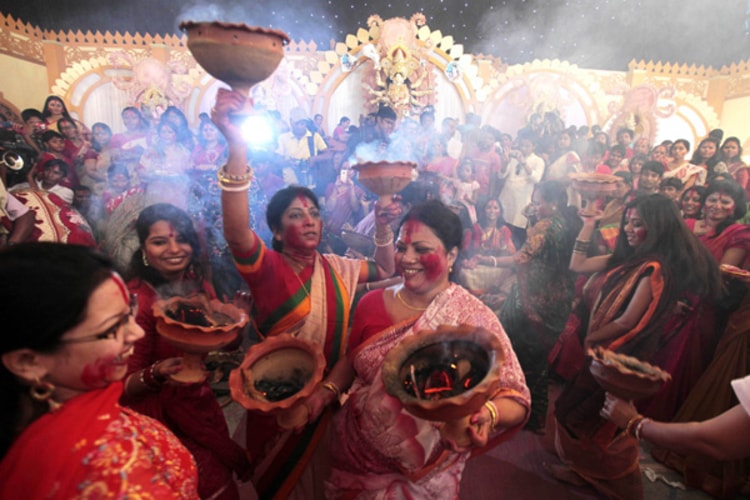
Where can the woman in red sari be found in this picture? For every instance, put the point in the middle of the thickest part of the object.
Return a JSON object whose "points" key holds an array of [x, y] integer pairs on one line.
{"points": [[380, 450], [168, 264], [62, 433], [645, 277], [724, 203], [731, 162], [295, 290]]}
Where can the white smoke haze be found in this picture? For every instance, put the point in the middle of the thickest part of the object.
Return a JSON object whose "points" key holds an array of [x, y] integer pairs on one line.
{"points": [[606, 34]]}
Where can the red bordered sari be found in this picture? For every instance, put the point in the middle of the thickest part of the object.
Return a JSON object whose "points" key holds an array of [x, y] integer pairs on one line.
{"points": [[314, 306]]}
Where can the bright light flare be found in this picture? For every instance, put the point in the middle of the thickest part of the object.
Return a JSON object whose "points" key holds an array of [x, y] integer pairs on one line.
{"points": [[257, 130]]}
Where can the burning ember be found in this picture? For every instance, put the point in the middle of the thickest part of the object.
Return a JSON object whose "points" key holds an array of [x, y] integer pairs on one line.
{"points": [[277, 390], [430, 374], [192, 314]]}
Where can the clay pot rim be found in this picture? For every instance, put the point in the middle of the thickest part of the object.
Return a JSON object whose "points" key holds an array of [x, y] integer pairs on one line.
{"points": [[237, 376], [186, 25], [160, 306], [454, 407], [384, 163], [593, 177], [603, 357]]}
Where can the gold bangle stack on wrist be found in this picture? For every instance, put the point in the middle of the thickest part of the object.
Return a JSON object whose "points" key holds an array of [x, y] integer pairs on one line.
{"points": [[384, 241], [581, 246], [493, 412], [633, 426], [234, 183]]}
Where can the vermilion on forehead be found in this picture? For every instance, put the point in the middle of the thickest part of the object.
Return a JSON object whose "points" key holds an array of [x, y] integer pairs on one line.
{"points": [[304, 200]]}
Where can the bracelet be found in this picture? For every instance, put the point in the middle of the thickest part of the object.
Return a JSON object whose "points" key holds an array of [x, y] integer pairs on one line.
{"points": [[384, 241], [226, 178], [639, 428], [333, 388], [150, 379], [632, 423], [494, 261], [367, 286], [493, 412], [235, 188], [581, 246]]}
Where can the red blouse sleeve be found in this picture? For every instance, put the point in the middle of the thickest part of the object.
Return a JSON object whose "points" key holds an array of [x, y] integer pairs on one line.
{"points": [[370, 317]]}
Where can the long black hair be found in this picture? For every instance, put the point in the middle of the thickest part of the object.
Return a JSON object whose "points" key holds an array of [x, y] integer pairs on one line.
{"points": [[687, 264]]}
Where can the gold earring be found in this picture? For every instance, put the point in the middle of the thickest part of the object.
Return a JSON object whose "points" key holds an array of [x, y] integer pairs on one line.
{"points": [[42, 392], [145, 262]]}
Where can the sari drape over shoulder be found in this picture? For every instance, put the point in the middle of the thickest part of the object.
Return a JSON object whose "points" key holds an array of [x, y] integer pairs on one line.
{"points": [[314, 306], [382, 451], [91, 447]]}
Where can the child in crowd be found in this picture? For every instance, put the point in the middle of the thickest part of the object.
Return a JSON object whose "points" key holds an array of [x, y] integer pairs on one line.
{"points": [[671, 187], [467, 189]]}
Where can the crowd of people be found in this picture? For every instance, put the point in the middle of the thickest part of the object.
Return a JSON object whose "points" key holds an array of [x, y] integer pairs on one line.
{"points": [[490, 233]]}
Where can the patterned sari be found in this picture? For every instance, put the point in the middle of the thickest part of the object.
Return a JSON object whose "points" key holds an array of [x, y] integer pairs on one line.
{"points": [[91, 447], [382, 451], [314, 306], [587, 443]]}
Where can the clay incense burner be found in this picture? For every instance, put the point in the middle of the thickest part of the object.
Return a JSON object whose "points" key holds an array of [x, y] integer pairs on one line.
{"points": [[196, 326], [445, 375], [624, 376], [385, 178], [594, 189], [276, 376], [237, 54]]}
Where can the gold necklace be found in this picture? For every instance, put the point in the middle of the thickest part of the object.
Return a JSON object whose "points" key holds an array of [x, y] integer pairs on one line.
{"points": [[406, 304]]}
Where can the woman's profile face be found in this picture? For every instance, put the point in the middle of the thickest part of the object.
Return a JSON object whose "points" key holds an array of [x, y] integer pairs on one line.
{"points": [[542, 208], [421, 258], [167, 250], [95, 352], [635, 228], [301, 225]]}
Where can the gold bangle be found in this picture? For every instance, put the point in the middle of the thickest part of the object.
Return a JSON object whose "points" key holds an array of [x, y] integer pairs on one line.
{"points": [[333, 388], [226, 178], [384, 241], [632, 424], [234, 189], [493, 412], [639, 427]]}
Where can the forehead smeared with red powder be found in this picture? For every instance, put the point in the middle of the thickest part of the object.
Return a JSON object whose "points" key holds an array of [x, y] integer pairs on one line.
{"points": [[433, 263], [304, 200], [122, 287]]}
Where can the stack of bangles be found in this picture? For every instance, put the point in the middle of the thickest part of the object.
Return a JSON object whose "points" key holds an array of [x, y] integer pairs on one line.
{"points": [[581, 246], [150, 379], [493, 412], [234, 183], [635, 425], [385, 240]]}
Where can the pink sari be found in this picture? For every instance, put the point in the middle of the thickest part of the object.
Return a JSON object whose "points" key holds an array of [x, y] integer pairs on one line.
{"points": [[382, 451]]}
